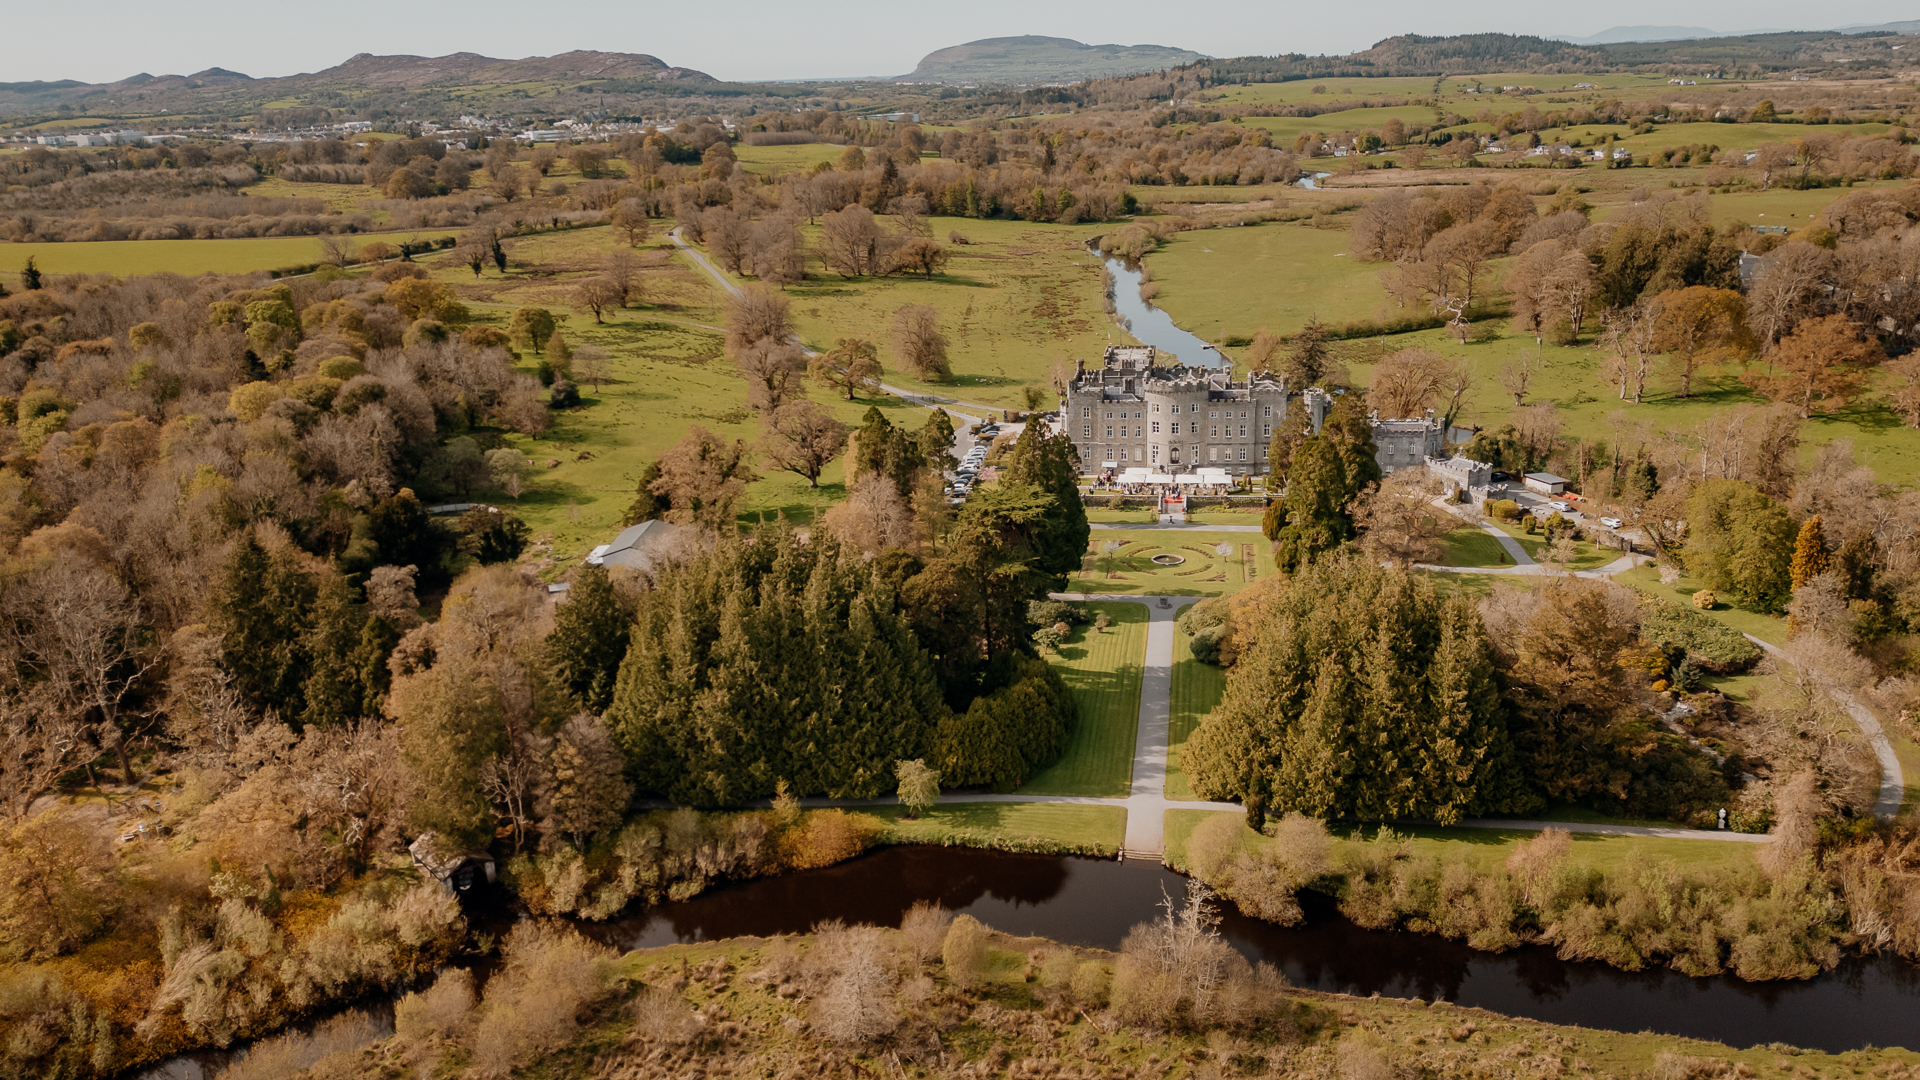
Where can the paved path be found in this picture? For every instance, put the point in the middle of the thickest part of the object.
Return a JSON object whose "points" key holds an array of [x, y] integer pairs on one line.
{"points": [[1893, 779], [925, 401]]}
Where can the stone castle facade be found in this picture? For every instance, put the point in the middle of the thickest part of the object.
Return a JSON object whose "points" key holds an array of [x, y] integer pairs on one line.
{"points": [[1132, 412]]}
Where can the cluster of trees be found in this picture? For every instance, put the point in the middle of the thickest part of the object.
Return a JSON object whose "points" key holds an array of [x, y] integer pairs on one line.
{"points": [[1357, 691]]}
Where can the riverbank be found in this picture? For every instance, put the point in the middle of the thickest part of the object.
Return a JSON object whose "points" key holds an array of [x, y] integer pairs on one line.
{"points": [[964, 1000]]}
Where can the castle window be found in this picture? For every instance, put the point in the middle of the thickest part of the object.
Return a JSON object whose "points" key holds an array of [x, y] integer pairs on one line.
{"points": [[1156, 407], [1243, 430], [1176, 427], [1243, 453], [1213, 453], [1109, 431], [1086, 431], [1214, 415], [1195, 407], [1086, 411], [1156, 427]]}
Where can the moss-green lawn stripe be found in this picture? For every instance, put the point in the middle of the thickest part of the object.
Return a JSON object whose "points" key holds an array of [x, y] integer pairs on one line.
{"points": [[1196, 690], [1104, 672]]}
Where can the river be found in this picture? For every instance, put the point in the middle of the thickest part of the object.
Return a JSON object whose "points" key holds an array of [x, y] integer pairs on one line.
{"points": [[1149, 324], [1093, 902]]}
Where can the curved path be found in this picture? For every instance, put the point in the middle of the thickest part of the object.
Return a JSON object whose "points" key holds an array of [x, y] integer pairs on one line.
{"points": [[1893, 779]]}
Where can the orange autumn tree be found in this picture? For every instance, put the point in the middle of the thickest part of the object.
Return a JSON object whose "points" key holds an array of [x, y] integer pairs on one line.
{"points": [[1699, 326], [1821, 363]]}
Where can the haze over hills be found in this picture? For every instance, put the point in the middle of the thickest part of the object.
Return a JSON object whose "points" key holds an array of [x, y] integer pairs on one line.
{"points": [[1030, 60], [1620, 35]]}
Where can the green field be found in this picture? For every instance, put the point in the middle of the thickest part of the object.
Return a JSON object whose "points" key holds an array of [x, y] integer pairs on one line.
{"points": [[1469, 546], [125, 258], [1204, 573], [1765, 627], [1196, 690], [1218, 283], [1485, 849], [1103, 671], [1010, 826]]}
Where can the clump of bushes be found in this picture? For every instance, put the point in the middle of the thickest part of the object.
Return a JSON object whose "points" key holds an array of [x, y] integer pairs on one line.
{"points": [[1713, 647], [1502, 509], [677, 855], [1209, 626]]}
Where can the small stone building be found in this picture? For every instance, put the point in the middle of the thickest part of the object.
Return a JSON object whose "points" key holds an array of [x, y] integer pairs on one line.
{"points": [[1402, 444]]}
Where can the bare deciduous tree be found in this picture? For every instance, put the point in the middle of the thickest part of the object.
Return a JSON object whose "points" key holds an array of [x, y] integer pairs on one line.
{"points": [[919, 345], [803, 439], [851, 366], [1398, 521]]}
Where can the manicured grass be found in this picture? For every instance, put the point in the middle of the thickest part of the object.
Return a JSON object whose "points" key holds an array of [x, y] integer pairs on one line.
{"points": [[1221, 283], [1103, 669], [125, 258], [1485, 849], [1471, 547], [1586, 556], [1196, 690], [1204, 573], [1010, 826], [1119, 517], [1765, 627]]}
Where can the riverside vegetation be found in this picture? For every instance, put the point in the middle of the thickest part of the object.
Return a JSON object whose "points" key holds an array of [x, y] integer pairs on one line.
{"points": [[945, 996]]}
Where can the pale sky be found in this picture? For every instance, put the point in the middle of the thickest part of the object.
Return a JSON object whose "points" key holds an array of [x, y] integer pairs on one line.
{"points": [[106, 40]]}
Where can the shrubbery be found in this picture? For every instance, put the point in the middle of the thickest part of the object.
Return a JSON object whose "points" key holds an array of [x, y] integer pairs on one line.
{"points": [[1007, 735], [1715, 647]]}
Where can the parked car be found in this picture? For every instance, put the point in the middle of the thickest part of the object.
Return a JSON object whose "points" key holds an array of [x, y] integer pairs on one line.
{"points": [[1500, 477], [1559, 505], [1611, 522]]}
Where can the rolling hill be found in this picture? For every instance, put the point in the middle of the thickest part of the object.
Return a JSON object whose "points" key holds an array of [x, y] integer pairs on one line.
{"points": [[1031, 60]]}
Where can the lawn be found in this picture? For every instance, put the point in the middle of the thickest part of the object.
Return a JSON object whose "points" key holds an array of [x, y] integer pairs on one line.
{"points": [[1196, 690], [1204, 572], [1469, 546], [1586, 556], [125, 258], [1009, 826], [1103, 670], [1767, 628], [1220, 283], [1485, 849]]}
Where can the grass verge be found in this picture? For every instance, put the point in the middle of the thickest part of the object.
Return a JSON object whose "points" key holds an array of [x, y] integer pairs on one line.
{"points": [[1196, 690], [1103, 671], [1062, 828]]}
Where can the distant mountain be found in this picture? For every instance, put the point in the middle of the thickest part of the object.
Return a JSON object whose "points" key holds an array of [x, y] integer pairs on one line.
{"points": [[1911, 26], [1031, 60], [220, 89], [1620, 34]]}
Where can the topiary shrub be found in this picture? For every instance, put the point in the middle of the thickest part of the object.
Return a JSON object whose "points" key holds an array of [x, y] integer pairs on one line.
{"points": [[1705, 599]]}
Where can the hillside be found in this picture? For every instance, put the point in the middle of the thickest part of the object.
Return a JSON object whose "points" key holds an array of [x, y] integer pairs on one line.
{"points": [[1032, 60], [218, 91]]}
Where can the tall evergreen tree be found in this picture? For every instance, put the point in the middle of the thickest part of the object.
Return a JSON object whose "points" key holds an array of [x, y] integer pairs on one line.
{"points": [[1328, 472], [1364, 695], [262, 610], [589, 639], [453, 722], [880, 447], [771, 659], [936, 441], [1052, 464], [334, 689], [1741, 543]]}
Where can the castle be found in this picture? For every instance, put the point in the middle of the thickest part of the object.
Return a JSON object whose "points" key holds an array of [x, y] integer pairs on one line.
{"points": [[1133, 413]]}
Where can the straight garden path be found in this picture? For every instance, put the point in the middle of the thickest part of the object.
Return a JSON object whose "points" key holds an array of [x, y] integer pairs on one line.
{"points": [[1149, 526]]}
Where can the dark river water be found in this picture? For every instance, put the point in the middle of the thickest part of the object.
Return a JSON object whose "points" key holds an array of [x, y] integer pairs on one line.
{"points": [[1093, 902], [1151, 325]]}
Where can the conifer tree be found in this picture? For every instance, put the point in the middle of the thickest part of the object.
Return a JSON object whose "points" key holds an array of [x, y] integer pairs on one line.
{"points": [[453, 722], [262, 609], [1327, 473], [936, 441], [589, 639], [333, 690], [1052, 464], [1809, 552], [589, 793], [771, 658], [559, 353], [1364, 695]]}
